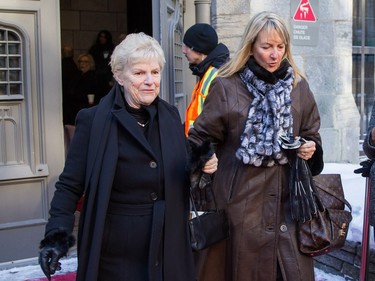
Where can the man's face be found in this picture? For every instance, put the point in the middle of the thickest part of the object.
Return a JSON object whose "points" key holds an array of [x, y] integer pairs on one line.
{"points": [[192, 56]]}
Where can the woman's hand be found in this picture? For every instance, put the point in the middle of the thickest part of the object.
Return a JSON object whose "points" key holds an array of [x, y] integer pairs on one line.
{"points": [[306, 150], [210, 166]]}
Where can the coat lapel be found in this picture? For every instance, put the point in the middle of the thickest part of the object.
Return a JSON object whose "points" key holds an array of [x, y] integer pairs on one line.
{"points": [[127, 121]]}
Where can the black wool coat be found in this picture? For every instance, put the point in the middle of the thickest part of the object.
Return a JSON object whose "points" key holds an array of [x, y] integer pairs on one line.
{"points": [[90, 167]]}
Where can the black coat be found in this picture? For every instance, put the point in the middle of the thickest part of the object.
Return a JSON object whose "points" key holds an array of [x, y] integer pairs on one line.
{"points": [[75, 97], [90, 168]]}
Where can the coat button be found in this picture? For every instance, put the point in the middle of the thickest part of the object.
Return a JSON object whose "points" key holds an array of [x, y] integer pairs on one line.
{"points": [[153, 164], [154, 196], [283, 228]]}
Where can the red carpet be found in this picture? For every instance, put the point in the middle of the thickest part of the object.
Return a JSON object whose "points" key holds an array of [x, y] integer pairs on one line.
{"points": [[71, 276]]}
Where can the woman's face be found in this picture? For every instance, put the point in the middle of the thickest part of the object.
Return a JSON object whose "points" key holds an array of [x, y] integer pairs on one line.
{"points": [[268, 50], [141, 82], [84, 64], [102, 38]]}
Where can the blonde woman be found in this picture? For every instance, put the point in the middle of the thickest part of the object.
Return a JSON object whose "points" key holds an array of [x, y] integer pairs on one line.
{"points": [[258, 95]]}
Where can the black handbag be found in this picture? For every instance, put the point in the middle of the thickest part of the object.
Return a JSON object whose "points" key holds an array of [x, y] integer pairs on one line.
{"points": [[328, 230], [208, 228]]}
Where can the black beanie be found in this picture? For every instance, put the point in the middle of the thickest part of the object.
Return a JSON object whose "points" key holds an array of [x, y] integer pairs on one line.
{"points": [[201, 37]]}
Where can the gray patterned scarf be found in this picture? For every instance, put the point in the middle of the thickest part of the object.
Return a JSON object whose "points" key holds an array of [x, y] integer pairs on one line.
{"points": [[269, 115]]}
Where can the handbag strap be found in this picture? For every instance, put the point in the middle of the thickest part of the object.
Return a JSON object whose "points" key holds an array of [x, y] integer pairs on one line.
{"points": [[195, 208], [328, 190], [348, 205]]}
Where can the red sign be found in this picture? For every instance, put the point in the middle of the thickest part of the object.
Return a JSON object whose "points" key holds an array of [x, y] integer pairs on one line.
{"points": [[304, 12]]}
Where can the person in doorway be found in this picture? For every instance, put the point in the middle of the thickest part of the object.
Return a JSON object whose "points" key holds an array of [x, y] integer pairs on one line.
{"points": [[78, 94], [69, 68], [129, 156], [101, 51], [69, 71], [257, 96], [81, 94], [205, 56], [121, 37]]}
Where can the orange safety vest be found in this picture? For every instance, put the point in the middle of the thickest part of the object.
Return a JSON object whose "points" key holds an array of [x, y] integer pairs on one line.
{"points": [[198, 97]]}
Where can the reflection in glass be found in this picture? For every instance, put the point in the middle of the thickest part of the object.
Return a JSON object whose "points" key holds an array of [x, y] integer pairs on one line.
{"points": [[13, 49], [14, 62], [14, 75], [3, 89], [15, 89], [370, 23], [12, 36], [2, 49], [369, 75], [357, 30], [2, 62], [3, 75]]}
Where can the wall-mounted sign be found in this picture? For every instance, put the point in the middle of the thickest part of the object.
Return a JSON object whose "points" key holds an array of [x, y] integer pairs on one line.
{"points": [[304, 26]]}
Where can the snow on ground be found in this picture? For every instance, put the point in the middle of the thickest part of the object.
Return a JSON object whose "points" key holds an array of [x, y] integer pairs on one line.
{"points": [[29, 272], [354, 188]]}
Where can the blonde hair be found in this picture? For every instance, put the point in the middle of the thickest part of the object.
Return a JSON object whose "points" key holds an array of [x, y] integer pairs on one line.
{"points": [[136, 47], [264, 21], [89, 58]]}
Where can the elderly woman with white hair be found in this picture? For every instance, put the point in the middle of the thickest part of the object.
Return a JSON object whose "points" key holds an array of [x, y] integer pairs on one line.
{"points": [[129, 158]]}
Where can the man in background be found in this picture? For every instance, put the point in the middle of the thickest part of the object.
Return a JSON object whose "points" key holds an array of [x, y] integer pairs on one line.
{"points": [[205, 55]]}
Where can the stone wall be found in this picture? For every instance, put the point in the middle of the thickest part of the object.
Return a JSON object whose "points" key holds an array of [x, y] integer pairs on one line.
{"points": [[346, 262], [81, 20]]}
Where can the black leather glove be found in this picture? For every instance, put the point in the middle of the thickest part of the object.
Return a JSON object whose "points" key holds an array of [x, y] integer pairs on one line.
{"points": [[198, 156], [52, 248], [200, 182], [366, 167], [203, 193]]}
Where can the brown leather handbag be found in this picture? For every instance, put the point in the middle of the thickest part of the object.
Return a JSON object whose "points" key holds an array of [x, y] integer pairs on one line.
{"points": [[328, 230]]}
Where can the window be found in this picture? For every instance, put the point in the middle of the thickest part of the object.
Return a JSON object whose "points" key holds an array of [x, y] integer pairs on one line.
{"points": [[10, 65], [363, 59], [16, 139]]}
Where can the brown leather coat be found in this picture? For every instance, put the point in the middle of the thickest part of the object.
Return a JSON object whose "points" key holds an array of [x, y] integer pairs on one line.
{"points": [[255, 198]]}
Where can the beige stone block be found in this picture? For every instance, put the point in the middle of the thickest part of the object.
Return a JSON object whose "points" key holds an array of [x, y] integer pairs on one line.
{"points": [[98, 21], [65, 4], [116, 5], [67, 38], [122, 24], [70, 20], [84, 39], [90, 5], [232, 7]]}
